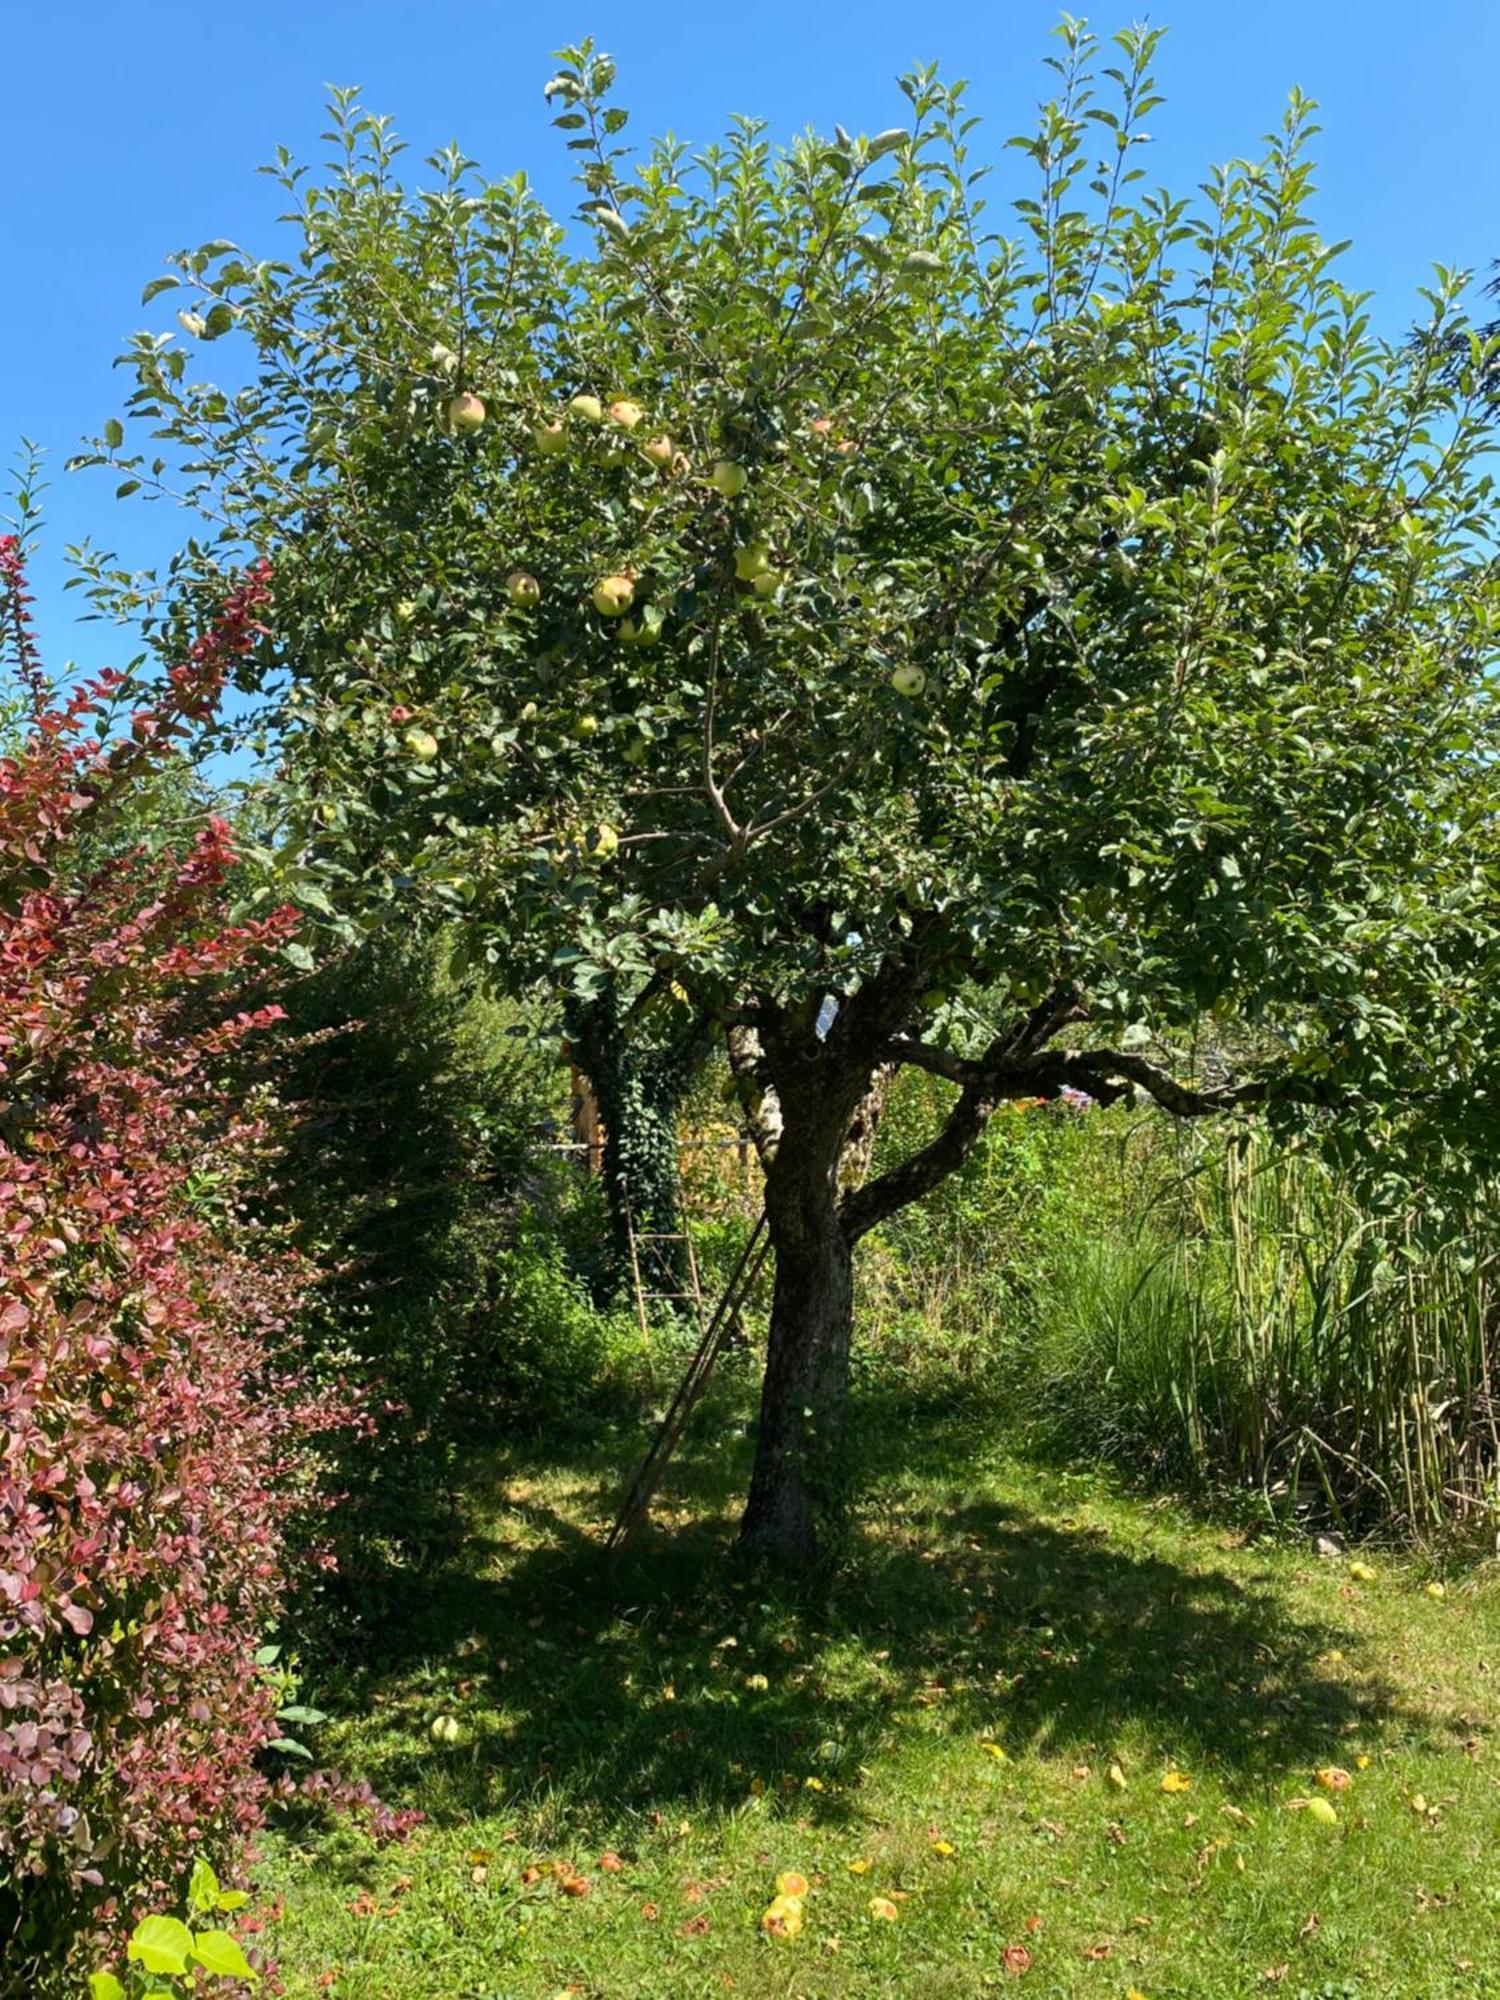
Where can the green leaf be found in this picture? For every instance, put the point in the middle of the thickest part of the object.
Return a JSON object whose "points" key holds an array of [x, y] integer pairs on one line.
{"points": [[220, 319], [203, 1886], [161, 1944], [889, 142], [114, 433], [218, 1952], [105, 1986], [157, 286], [299, 1712]]}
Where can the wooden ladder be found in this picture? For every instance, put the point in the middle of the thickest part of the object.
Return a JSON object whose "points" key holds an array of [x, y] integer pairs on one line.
{"points": [[643, 1487], [692, 1296]]}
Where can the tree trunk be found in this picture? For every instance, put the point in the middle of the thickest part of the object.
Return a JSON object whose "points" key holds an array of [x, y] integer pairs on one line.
{"points": [[798, 1485], [797, 1488]]}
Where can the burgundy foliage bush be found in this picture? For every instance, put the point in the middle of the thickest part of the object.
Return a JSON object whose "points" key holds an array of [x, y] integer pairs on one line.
{"points": [[155, 1453]]}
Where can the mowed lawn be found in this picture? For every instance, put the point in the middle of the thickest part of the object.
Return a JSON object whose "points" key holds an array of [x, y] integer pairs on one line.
{"points": [[1066, 1733]]}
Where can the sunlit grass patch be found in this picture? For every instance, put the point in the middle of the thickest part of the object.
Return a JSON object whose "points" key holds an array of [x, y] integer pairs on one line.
{"points": [[1039, 1731]]}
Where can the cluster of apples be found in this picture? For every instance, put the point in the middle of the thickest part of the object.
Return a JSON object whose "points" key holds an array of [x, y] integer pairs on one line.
{"points": [[550, 437], [613, 595]]}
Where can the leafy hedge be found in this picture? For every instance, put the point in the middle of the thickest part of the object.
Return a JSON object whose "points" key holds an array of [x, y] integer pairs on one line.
{"points": [[154, 1452]]}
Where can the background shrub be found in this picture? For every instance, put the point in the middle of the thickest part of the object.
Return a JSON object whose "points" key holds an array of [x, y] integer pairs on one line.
{"points": [[460, 1244]]}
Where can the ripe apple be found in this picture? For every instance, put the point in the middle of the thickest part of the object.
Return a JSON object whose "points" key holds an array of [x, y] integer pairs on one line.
{"points": [[660, 451], [728, 478], [524, 589], [612, 595], [625, 413], [401, 713], [584, 726], [606, 844], [751, 561], [589, 408], [422, 744], [466, 413], [908, 680], [445, 1729], [767, 583], [550, 438], [821, 426]]}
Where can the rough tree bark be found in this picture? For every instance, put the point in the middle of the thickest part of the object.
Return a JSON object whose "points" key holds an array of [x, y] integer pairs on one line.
{"points": [[796, 1487], [825, 1093]]}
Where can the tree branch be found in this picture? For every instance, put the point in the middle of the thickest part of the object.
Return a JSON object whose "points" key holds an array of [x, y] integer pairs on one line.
{"points": [[1000, 1074]]}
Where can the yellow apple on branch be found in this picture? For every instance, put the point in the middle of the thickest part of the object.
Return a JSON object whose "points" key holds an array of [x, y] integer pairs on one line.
{"points": [[612, 595], [466, 414]]}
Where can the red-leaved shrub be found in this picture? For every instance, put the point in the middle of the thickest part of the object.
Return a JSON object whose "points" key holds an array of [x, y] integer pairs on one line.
{"points": [[155, 1451]]}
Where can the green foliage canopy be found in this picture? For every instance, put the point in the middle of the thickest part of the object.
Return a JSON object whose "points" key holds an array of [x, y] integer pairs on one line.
{"points": [[1105, 616]]}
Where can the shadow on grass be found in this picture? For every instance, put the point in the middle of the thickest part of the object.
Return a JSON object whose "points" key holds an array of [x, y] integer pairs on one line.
{"points": [[677, 1677]]}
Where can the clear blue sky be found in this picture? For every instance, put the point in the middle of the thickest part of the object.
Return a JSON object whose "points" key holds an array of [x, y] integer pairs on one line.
{"points": [[126, 132]]}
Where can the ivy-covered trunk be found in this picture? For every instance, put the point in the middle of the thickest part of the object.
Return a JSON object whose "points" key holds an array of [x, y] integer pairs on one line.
{"points": [[638, 1082]]}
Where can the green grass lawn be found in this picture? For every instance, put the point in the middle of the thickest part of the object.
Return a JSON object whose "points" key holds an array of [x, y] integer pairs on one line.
{"points": [[975, 1724]]}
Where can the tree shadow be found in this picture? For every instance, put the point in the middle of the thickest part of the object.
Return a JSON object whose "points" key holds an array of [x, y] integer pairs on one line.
{"points": [[678, 1677]]}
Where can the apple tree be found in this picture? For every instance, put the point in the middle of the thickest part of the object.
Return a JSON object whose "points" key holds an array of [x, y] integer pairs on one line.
{"points": [[797, 587]]}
